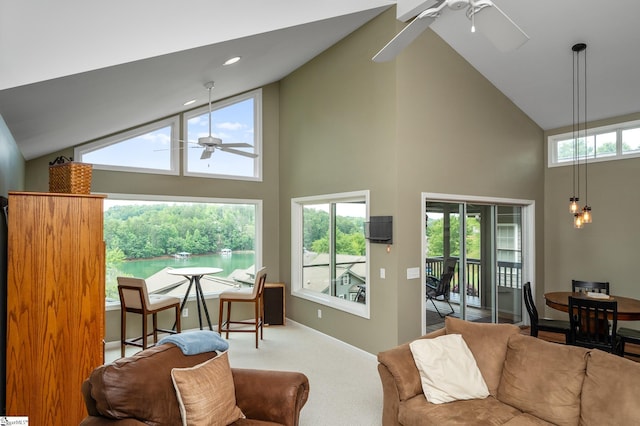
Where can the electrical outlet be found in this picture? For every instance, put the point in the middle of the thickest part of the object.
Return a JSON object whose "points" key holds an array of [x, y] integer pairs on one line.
{"points": [[185, 312], [383, 273], [319, 313]]}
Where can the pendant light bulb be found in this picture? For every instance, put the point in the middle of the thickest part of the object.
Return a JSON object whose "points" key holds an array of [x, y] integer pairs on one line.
{"points": [[573, 205], [586, 214], [577, 221]]}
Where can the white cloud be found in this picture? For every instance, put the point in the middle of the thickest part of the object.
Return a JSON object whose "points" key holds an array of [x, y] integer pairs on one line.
{"points": [[230, 126]]}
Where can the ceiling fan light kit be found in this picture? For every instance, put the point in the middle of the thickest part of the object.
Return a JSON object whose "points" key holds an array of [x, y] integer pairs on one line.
{"points": [[492, 22]]}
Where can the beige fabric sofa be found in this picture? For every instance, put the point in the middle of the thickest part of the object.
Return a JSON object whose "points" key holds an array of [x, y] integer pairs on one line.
{"points": [[531, 382]]}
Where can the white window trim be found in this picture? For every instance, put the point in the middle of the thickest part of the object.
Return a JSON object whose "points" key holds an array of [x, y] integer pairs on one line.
{"points": [[297, 290], [552, 141], [528, 238], [173, 121], [256, 95], [184, 199]]}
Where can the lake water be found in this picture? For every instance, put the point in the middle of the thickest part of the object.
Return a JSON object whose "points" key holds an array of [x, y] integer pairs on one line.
{"points": [[146, 268]]}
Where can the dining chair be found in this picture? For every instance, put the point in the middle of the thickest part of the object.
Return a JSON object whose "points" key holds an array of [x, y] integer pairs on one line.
{"points": [[135, 298], [543, 324], [593, 286], [253, 295], [594, 324], [629, 335]]}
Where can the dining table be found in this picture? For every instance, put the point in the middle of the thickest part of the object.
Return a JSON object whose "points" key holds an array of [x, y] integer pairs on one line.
{"points": [[194, 274], [628, 307]]}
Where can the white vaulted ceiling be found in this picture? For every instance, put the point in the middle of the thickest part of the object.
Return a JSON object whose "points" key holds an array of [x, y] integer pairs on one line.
{"points": [[73, 70]]}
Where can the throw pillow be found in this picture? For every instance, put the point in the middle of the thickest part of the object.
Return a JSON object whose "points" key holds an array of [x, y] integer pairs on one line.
{"points": [[206, 393], [448, 370], [488, 344]]}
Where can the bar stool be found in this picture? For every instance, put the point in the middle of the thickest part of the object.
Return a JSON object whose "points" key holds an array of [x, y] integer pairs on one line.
{"points": [[135, 298], [255, 296]]}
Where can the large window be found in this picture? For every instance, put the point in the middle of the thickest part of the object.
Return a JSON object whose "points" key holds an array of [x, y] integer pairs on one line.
{"points": [[599, 144], [329, 252], [157, 147], [234, 121], [145, 236]]}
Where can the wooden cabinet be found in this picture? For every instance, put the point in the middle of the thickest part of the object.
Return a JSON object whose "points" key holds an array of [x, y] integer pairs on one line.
{"points": [[55, 304]]}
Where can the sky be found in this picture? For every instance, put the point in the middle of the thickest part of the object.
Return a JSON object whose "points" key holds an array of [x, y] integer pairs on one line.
{"points": [[232, 122]]}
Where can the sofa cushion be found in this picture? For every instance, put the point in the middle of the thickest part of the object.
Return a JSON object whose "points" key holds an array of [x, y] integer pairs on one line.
{"points": [[140, 386], [447, 369], [610, 391], [543, 379], [525, 419], [488, 344], [489, 411], [206, 394]]}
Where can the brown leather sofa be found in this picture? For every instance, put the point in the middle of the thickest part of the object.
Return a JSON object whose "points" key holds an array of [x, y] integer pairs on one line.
{"points": [[530, 381], [138, 390]]}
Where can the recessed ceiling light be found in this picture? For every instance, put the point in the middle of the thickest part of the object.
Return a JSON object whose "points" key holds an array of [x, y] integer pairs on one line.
{"points": [[189, 102], [232, 60]]}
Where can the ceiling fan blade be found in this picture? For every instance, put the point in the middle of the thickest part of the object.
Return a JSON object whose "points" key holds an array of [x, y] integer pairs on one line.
{"points": [[236, 145], [494, 24], [236, 151], [407, 35], [206, 154]]}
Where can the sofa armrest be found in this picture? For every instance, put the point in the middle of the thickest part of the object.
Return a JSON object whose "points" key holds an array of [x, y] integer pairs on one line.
{"points": [[94, 418], [391, 399], [276, 396]]}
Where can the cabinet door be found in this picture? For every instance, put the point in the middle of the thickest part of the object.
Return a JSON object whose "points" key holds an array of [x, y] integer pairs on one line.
{"points": [[55, 304]]}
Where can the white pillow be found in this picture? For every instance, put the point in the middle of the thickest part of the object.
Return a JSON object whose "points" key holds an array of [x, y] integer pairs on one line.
{"points": [[448, 370]]}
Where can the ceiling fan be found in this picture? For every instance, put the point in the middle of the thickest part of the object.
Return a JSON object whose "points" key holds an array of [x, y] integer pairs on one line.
{"points": [[211, 143], [492, 22]]}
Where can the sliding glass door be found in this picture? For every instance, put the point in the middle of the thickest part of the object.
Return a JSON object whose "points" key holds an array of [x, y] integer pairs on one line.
{"points": [[480, 242]]}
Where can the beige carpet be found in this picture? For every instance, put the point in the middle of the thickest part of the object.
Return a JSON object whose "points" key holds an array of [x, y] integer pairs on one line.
{"points": [[345, 388], [344, 384]]}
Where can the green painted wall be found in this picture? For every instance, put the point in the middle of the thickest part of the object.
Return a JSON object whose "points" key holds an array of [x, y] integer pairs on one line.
{"points": [[11, 179], [426, 122], [605, 250]]}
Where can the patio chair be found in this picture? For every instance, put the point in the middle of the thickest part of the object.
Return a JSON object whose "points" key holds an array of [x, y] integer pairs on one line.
{"points": [[439, 290]]}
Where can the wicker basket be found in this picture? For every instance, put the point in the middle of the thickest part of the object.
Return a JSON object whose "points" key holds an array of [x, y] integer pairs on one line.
{"points": [[70, 178]]}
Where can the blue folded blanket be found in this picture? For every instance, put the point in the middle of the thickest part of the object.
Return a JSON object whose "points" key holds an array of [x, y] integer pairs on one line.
{"points": [[196, 342]]}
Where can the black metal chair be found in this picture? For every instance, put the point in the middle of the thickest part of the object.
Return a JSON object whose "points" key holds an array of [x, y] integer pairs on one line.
{"points": [[593, 286], [594, 324], [543, 324], [629, 335], [439, 290]]}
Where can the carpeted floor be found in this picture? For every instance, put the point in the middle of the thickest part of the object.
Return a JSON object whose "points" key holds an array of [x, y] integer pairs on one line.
{"points": [[344, 384]]}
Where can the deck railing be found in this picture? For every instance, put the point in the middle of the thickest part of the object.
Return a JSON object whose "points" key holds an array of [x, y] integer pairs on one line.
{"points": [[509, 274]]}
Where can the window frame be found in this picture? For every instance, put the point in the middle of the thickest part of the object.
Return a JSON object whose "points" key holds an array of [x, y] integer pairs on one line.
{"points": [[554, 140], [258, 247], [256, 95], [173, 122], [297, 242]]}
